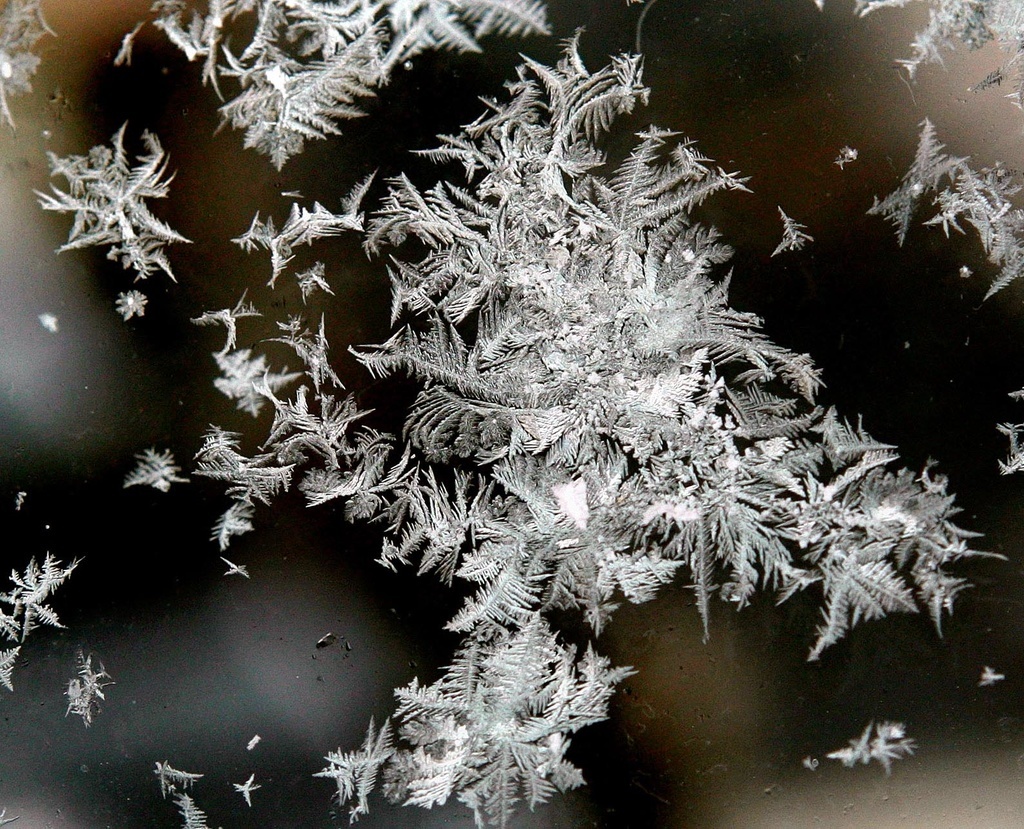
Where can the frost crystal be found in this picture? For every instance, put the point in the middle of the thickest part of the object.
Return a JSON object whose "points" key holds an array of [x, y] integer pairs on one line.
{"points": [[647, 391], [793, 235], [492, 731], [171, 779], [592, 420], [846, 155], [228, 317], [131, 304], [247, 788], [155, 469], [235, 569], [313, 279], [889, 743], [7, 660], [612, 423], [86, 689], [303, 227], [981, 199], [972, 23], [27, 600], [355, 772], [192, 816], [236, 520], [50, 322], [1015, 460], [107, 196], [248, 380]]}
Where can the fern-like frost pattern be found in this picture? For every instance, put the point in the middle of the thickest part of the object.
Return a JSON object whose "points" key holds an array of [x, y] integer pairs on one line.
{"points": [[309, 66], [595, 419], [27, 608]]}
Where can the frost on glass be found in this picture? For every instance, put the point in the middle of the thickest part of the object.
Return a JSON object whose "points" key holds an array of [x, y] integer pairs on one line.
{"points": [[595, 420], [883, 743], [592, 419], [308, 66], [21, 26], [965, 200], [85, 690], [155, 469], [971, 23]]}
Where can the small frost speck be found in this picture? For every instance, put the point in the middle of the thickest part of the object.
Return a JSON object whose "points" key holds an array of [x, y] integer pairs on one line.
{"points": [[131, 304], [846, 155]]}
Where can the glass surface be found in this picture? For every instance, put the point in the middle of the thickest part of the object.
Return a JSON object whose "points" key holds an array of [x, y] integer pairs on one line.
{"points": [[706, 733]]}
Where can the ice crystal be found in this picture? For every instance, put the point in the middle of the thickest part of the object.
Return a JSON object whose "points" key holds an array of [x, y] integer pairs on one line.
{"points": [[989, 676], [889, 743], [172, 780], [794, 236], [86, 690], [131, 304], [155, 469], [108, 198], [612, 423], [28, 597], [247, 788]]}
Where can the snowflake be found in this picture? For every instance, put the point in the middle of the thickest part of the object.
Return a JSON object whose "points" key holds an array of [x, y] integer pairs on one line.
{"points": [[108, 197], [131, 304]]}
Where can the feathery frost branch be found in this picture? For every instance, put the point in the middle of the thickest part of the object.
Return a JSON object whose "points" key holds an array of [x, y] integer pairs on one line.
{"points": [[155, 469], [889, 743], [968, 22], [27, 600], [308, 66]]}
